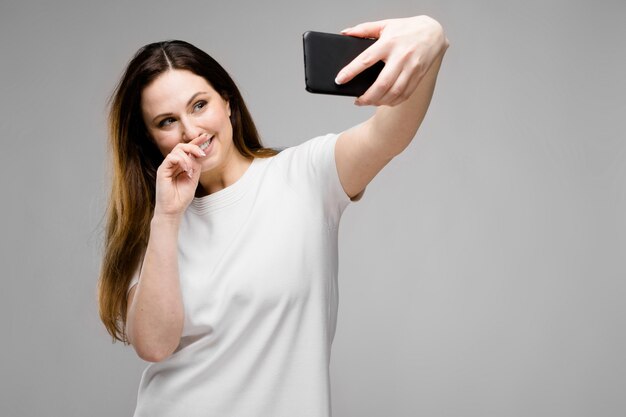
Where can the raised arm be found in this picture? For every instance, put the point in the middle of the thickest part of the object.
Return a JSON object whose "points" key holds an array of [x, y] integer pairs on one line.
{"points": [[155, 314], [412, 49]]}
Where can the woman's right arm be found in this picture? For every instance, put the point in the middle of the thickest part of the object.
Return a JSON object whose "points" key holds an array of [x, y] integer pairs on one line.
{"points": [[155, 315]]}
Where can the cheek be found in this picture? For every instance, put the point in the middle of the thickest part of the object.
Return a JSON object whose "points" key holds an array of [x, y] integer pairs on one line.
{"points": [[165, 142], [218, 117]]}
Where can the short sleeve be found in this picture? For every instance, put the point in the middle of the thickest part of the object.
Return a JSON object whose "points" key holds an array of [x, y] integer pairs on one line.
{"points": [[311, 167]]}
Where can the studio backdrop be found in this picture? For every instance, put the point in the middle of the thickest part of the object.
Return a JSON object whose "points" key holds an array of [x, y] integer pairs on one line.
{"points": [[482, 274]]}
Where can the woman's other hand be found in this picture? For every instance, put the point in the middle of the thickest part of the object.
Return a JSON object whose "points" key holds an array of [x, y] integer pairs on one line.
{"points": [[177, 178], [408, 46]]}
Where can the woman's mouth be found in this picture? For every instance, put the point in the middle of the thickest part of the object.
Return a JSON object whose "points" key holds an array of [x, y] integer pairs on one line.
{"points": [[206, 144]]}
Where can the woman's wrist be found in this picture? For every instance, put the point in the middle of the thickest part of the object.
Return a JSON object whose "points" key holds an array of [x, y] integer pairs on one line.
{"points": [[165, 219]]}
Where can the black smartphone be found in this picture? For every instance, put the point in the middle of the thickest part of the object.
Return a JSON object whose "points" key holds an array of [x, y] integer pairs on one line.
{"points": [[325, 54]]}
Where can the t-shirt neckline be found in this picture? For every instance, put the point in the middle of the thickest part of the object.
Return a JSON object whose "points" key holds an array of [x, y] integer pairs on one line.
{"points": [[225, 196]]}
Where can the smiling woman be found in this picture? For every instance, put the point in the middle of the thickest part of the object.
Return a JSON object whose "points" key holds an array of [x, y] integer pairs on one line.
{"points": [[202, 120], [220, 263], [138, 147]]}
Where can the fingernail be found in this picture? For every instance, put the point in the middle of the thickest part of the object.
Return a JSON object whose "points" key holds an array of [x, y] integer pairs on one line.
{"points": [[345, 30], [202, 152], [190, 173], [341, 77]]}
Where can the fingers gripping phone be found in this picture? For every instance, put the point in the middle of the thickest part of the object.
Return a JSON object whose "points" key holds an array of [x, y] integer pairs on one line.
{"points": [[325, 54]]}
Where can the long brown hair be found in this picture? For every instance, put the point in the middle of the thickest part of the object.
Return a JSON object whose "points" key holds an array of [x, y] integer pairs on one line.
{"points": [[135, 159]]}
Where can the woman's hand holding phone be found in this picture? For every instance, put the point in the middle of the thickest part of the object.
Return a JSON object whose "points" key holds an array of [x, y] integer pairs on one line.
{"points": [[408, 46]]}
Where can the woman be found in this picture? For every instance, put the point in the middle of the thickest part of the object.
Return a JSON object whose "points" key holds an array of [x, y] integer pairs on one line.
{"points": [[220, 264]]}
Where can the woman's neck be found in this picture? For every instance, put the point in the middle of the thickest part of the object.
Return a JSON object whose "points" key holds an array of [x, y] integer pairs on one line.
{"points": [[217, 179]]}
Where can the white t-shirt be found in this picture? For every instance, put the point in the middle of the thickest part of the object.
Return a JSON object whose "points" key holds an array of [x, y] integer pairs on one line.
{"points": [[258, 275]]}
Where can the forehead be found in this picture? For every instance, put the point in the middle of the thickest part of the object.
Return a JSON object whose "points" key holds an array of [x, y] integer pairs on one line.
{"points": [[172, 89]]}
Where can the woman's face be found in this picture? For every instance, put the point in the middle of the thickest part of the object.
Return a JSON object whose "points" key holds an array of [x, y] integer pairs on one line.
{"points": [[180, 106]]}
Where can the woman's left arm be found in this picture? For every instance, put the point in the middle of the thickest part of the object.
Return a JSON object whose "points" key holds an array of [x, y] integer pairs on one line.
{"points": [[412, 49]]}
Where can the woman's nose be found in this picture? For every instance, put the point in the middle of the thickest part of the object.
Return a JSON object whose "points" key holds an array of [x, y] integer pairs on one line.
{"points": [[190, 131]]}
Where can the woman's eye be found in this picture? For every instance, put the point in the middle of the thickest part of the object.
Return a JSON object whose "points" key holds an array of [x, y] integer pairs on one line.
{"points": [[166, 122], [199, 105]]}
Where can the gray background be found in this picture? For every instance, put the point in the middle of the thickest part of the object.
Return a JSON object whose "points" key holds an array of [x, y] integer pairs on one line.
{"points": [[480, 275]]}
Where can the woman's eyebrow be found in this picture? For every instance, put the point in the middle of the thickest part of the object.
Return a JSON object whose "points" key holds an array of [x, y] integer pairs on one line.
{"points": [[188, 103]]}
